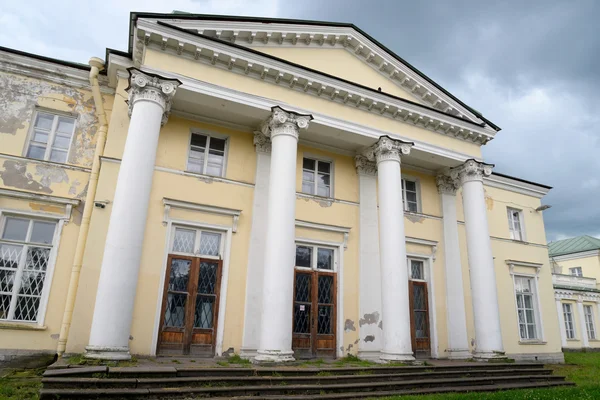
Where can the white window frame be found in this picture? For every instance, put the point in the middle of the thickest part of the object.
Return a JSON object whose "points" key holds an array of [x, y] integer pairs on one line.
{"points": [[196, 252], [588, 313], [571, 314], [314, 256], [318, 160], [44, 297], [209, 134], [511, 226], [417, 183], [537, 322], [51, 134], [578, 271]]}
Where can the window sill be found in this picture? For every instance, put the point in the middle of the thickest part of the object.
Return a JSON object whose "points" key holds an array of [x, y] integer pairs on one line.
{"points": [[532, 342], [572, 340], [22, 326]]}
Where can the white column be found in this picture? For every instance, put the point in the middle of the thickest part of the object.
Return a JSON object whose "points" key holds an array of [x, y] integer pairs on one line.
{"points": [[458, 343], [395, 307], [369, 324], [561, 323], [585, 340], [278, 281], [149, 104], [488, 334], [256, 253]]}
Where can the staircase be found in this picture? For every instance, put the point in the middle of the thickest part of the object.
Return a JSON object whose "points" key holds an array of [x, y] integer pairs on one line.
{"points": [[289, 382]]}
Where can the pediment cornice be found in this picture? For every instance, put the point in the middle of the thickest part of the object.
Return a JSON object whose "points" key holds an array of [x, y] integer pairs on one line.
{"points": [[241, 60]]}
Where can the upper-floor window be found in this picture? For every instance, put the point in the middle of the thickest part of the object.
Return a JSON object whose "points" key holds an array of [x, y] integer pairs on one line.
{"points": [[314, 257], [569, 320], [25, 247], [589, 322], [409, 195], [515, 223], [576, 271], [51, 137], [526, 307], [316, 177], [207, 154]]}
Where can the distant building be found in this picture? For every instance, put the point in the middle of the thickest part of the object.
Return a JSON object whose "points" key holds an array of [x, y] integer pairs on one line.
{"points": [[576, 270]]}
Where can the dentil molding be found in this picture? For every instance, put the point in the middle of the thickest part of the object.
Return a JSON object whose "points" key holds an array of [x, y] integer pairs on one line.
{"points": [[282, 122], [471, 170], [386, 149], [143, 86]]}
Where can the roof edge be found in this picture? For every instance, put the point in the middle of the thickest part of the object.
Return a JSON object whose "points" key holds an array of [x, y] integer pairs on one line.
{"points": [[65, 63]]}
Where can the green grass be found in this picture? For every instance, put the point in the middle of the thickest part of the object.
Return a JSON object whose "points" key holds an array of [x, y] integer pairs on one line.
{"points": [[21, 385], [79, 359], [580, 368], [234, 359]]}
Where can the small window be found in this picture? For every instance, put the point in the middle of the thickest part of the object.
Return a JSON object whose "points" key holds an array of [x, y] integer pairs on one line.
{"points": [[526, 307], [589, 322], [576, 271], [25, 247], [207, 155], [314, 257], [515, 224], [409, 195], [316, 177], [196, 242], [569, 324], [51, 137], [416, 270]]}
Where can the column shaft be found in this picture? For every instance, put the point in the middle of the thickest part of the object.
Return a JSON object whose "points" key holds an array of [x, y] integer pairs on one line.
{"points": [[585, 340], [561, 323]]}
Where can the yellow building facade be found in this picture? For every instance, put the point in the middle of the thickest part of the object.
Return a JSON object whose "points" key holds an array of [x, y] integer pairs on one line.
{"points": [[272, 188]]}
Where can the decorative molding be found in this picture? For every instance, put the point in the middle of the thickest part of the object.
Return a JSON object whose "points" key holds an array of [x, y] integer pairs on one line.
{"points": [[386, 149], [262, 143], [424, 242], [517, 263], [283, 122], [324, 227], [169, 203], [143, 86], [63, 201], [446, 185], [355, 43], [514, 185], [519, 242], [574, 281], [242, 61], [48, 163], [364, 166], [471, 170]]}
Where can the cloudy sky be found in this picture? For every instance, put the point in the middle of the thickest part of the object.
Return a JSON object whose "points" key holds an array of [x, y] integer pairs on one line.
{"points": [[532, 67]]}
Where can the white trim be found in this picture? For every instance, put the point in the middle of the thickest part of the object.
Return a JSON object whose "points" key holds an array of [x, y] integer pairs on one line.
{"points": [[324, 227], [38, 197], [575, 256], [515, 185], [168, 203], [45, 162], [512, 263]]}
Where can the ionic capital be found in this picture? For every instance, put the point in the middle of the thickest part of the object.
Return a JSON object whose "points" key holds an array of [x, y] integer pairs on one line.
{"points": [[282, 122], [262, 143], [143, 86], [386, 149], [364, 166], [471, 170], [447, 185]]}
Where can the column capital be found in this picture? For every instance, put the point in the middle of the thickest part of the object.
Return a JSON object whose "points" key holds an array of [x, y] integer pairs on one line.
{"points": [[364, 166], [282, 122], [150, 87], [262, 143], [447, 185], [471, 170], [387, 148]]}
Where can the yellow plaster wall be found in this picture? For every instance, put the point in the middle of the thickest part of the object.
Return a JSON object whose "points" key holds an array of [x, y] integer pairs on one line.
{"points": [[166, 62], [342, 64], [590, 266]]}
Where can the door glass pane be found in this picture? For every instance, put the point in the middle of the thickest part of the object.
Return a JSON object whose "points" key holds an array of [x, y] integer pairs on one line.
{"points": [[207, 280], [325, 259], [301, 318], [324, 325], [416, 269], [180, 275], [209, 243], [421, 324], [42, 232], [15, 229], [175, 310], [303, 256], [303, 286], [203, 314], [184, 241], [419, 297], [325, 289]]}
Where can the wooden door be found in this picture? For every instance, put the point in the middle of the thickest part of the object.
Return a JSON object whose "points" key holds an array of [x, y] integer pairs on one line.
{"points": [[314, 314], [419, 318], [190, 306]]}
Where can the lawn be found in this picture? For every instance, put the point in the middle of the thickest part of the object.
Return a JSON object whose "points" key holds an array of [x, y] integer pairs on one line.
{"points": [[581, 368]]}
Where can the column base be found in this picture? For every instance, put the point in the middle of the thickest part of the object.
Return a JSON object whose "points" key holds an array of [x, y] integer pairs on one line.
{"points": [[273, 356], [459, 354], [369, 355], [107, 353], [386, 357], [248, 353], [489, 355]]}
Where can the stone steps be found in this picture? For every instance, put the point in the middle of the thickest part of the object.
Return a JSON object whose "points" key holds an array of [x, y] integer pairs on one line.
{"points": [[285, 382]]}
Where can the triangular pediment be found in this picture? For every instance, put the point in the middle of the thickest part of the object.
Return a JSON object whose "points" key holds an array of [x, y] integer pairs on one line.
{"points": [[337, 49]]}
